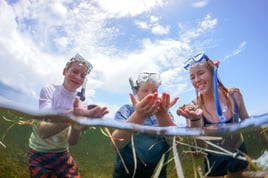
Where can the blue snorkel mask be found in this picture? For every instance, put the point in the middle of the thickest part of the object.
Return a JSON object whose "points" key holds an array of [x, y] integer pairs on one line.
{"points": [[201, 59], [198, 59]]}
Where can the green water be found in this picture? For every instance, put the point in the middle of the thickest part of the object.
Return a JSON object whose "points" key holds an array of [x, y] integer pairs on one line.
{"points": [[93, 154]]}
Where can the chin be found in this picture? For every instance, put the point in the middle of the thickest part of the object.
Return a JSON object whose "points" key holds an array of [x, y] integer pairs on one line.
{"points": [[202, 91]]}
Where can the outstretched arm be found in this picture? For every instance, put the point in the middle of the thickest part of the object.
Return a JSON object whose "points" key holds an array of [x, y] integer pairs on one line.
{"points": [[192, 114], [243, 114], [162, 116], [144, 108], [79, 110]]}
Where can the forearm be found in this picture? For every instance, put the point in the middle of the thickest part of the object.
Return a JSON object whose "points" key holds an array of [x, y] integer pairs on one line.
{"points": [[74, 136], [48, 129], [194, 123], [164, 119], [122, 137]]}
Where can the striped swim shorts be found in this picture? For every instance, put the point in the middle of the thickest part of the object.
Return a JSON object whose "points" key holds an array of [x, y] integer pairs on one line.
{"points": [[52, 165]]}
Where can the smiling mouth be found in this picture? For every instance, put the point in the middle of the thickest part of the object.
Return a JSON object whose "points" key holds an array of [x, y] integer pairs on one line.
{"points": [[74, 82], [200, 87]]}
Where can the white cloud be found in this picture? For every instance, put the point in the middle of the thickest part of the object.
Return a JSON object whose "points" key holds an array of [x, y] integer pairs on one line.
{"points": [[130, 7], [208, 23], [200, 4], [142, 25], [41, 37], [205, 25], [153, 25], [158, 29], [236, 51]]}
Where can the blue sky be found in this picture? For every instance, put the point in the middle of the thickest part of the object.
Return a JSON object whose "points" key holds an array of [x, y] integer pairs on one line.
{"points": [[122, 38]]}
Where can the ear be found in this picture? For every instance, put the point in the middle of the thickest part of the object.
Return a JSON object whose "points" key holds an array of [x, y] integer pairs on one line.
{"points": [[64, 71]]}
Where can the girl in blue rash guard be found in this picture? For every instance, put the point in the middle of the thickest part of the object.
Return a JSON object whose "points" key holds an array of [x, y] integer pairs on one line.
{"points": [[201, 75], [150, 110]]}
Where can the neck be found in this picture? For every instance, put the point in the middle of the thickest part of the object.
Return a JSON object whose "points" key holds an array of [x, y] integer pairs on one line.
{"points": [[208, 96]]}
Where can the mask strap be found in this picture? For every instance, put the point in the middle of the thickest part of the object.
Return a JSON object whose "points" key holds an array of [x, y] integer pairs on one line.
{"points": [[133, 88]]}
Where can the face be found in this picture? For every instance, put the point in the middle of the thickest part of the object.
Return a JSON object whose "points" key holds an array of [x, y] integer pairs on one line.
{"points": [[146, 88], [201, 78], [74, 76]]}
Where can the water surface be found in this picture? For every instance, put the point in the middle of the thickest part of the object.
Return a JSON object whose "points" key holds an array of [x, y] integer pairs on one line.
{"points": [[94, 153]]}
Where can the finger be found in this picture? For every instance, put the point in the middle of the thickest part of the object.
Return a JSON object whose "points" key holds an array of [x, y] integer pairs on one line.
{"points": [[98, 112], [91, 106], [178, 112], [166, 100], [183, 113], [104, 111], [76, 103], [147, 101], [173, 102]]}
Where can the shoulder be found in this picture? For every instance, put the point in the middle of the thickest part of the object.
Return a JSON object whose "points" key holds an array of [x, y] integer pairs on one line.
{"points": [[236, 95], [48, 90], [124, 112], [127, 108], [235, 92]]}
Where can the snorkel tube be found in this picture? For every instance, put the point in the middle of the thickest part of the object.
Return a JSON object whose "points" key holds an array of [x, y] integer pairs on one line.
{"points": [[81, 94], [133, 88], [216, 93]]}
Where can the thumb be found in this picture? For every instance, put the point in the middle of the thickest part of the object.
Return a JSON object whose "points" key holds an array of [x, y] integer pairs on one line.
{"points": [[76, 103], [133, 99], [173, 102]]}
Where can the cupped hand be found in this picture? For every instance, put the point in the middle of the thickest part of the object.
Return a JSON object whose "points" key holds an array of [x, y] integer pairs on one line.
{"points": [[165, 102], [148, 106], [95, 112], [192, 115]]}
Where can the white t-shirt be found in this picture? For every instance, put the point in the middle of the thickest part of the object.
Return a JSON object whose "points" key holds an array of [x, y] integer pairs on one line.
{"points": [[54, 97]]}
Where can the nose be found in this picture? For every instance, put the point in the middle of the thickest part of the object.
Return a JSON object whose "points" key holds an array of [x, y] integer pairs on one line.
{"points": [[195, 80], [79, 77]]}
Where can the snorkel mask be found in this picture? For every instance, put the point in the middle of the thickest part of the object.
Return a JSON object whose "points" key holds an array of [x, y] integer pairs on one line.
{"points": [[198, 59], [79, 59], [143, 78]]}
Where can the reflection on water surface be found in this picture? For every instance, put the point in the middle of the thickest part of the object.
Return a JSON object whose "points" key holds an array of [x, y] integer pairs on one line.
{"points": [[94, 153]]}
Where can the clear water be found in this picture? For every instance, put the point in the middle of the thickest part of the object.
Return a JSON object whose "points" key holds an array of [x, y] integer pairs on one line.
{"points": [[94, 153]]}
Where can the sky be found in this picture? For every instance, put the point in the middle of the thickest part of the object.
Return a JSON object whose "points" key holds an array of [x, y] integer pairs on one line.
{"points": [[123, 38]]}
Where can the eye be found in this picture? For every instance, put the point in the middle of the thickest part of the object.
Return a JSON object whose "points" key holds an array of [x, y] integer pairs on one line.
{"points": [[201, 72], [83, 76], [145, 91], [75, 71], [192, 77]]}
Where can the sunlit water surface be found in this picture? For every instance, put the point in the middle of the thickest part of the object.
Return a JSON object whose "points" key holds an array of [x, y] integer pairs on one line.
{"points": [[94, 154]]}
